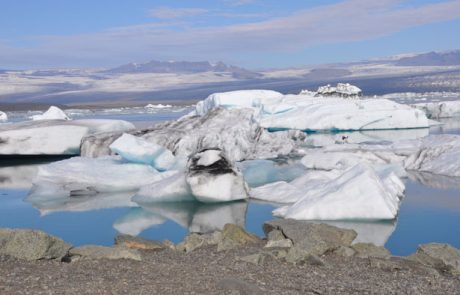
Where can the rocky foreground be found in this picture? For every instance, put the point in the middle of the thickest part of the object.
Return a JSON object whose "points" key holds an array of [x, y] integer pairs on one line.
{"points": [[294, 258]]}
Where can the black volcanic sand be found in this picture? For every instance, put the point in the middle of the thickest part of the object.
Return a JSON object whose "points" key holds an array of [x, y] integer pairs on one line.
{"points": [[206, 271]]}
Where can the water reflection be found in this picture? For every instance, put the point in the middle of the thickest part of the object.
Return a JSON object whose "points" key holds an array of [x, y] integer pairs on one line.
{"points": [[434, 180], [193, 216], [17, 177]]}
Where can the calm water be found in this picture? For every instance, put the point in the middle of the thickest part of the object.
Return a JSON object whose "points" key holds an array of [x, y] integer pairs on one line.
{"points": [[430, 211]]}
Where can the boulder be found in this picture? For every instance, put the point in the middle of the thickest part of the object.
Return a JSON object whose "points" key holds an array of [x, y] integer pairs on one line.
{"points": [[234, 236], [365, 250], [91, 252], [132, 242], [275, 235], [442, 257], [213, 178], [194, 241], [31, 244], [344, 251], [286, 243], [299, 231]]}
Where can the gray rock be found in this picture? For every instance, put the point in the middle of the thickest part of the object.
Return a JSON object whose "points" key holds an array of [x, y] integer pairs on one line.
{"points": [[393, 264], [99, 252], [442, 257], [31, 244], [277, 253], [298, 231], [234, 236], [131, 242], [344, 251], [365, 250], [286, 243], [255, 259], [275, 235], [300, 256], [195, 241], [238, 286]]}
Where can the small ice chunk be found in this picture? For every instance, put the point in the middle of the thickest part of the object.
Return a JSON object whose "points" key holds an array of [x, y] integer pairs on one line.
{"points": [[53, 113], [220, 181], [3, 117], [138, 150], [359, 193], [158, 106]]}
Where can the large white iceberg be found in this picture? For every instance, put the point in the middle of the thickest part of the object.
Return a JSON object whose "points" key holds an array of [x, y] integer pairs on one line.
{"points": [[359, 193], [53, 137], [3, 117], [80, 176], [308, 112], [232, 130], [53, 113], [138, 150]]}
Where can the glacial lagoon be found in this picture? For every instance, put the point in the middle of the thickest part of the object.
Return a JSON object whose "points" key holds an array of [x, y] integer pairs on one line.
{"points": [[429, 212]]}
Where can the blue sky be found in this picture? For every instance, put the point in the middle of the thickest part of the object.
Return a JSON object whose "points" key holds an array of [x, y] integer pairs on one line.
{"points": [[250, 33]]}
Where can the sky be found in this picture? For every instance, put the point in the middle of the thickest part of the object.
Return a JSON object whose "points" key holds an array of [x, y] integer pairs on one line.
{"points": [[256, 34]]}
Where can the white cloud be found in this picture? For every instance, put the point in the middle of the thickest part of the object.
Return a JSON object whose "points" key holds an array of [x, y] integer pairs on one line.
{"points": [[346, 21], [171, 12]]}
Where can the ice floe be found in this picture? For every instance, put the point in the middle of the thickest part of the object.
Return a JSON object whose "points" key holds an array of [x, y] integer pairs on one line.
{"points": [[53, 113], [359, 193], [138, 150], [55, 137], [440, 109], [80, 176]]}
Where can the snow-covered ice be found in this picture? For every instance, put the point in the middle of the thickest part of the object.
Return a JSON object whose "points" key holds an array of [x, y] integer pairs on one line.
{"points": [[438, 154], [53, 113], [3, 117], [53, 137], [342, 89], [359, 193], [441, 109], [212, 178], [81, 176], [138, 150]]}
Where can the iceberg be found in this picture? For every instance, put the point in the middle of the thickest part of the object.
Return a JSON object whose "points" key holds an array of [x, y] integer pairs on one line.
{"points": [[158, 106], [78, 176], [260, 172], [359, 193], [138, 150], [212, 178], [55, 137], [342, 90], [232, 130], [170, 189], [3, 117], [441, 109], [53, 113], [238, 99], [437, 154]]}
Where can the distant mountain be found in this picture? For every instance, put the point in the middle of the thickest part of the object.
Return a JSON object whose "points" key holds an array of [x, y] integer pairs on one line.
{"points": [[451, 58], [179, 67]]}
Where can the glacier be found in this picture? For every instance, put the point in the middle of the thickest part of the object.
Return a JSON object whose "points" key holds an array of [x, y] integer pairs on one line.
{"points": [[53, 113], [53, 137]]}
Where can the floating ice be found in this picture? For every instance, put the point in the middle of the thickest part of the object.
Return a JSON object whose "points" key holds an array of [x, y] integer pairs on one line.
{"points": [[342, 89], [239, 99], [170, 189], [53, 137], [53, 113], [158, 106], [212, 178], [438, 154], [138, 150], [86, 176], [442, 109], [359, 193], [233, 131], [260, 172], [3, 117]]}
